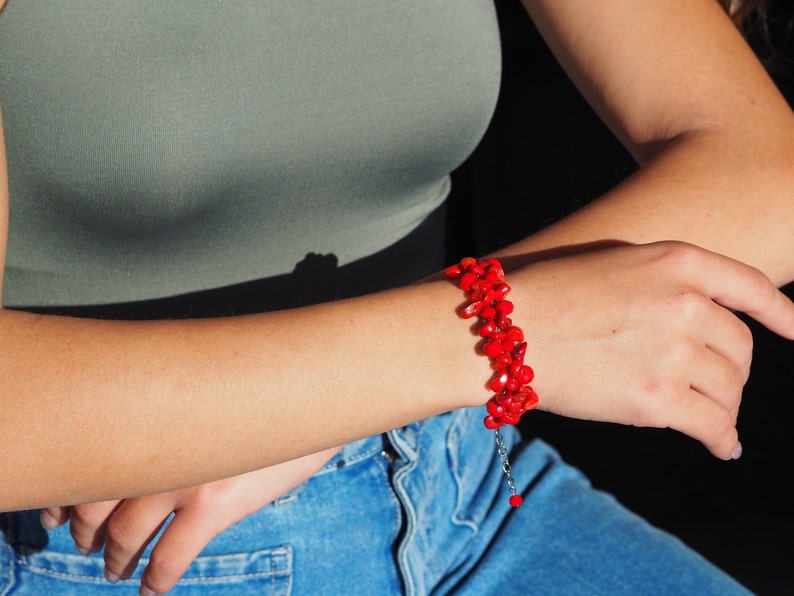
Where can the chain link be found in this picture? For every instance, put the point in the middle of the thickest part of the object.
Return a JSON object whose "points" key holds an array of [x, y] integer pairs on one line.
{"points": [[501, 451]]}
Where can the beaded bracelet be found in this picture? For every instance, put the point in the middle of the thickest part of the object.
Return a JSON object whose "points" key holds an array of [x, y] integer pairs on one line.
{"points": [[485, 288]]}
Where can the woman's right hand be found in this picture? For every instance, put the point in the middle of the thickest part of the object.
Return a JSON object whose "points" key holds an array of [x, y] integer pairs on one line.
{"points": [[645, 335]]}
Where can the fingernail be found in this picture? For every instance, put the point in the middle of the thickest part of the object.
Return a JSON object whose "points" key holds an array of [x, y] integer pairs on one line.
{"points": [[144, 591], [48, 522], [111, 577], [737, 452], [83, 551]]}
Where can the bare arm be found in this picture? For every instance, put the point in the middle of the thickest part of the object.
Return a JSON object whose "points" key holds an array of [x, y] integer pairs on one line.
{"points": [[680, 87], [233, 394]]}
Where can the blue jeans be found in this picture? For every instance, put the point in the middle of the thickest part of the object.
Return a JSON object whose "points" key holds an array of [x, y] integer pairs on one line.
{"points": [[421, 510]]}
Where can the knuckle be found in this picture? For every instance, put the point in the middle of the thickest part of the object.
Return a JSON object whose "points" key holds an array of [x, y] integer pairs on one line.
{"points": [[90, 515], [119, 538], [657, 391], [690, 306], [680, 255], [163, 571], [759, 283]]}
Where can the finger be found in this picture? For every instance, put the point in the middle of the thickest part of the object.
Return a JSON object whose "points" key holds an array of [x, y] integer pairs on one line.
{"points": [[730, 338], [718, 379], [87, 525], [737, 286], [132, 528], [52, 517], [183, 540], [707, 421]]}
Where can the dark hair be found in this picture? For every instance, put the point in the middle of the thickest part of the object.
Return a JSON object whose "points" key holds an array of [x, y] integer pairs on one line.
{"points": [[739, 10], [768, 27]]}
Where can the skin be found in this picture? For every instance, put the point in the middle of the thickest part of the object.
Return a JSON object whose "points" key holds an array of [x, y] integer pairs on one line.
{"points": [[646, 333]]}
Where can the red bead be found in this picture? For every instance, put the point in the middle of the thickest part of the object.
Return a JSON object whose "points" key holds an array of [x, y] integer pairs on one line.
{"points": [[492, 423], [492, 349], [489, 312], [527, 397], [486, 329], [499, 336], [513, 385], [499, 382], [502, 361], [531, 402], [504, 307], [501, 290], [496, 271], [467, 262], [520, 352], [453, 272], [494, 409], [509, 418], [508, 344], [525, 374], [477, 270], [472, 310], [515, 334], [516, 500], [466, 280]]}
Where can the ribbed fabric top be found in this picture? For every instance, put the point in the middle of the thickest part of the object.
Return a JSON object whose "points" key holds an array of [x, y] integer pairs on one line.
{"points": [[160, 147]]}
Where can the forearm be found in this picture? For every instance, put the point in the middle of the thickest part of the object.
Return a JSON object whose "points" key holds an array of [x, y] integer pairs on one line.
{"points": [[729, 194], [142, 407]]}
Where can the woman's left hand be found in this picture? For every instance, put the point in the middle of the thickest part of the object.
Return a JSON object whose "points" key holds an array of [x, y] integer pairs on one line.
{"points": [[125, 528]]}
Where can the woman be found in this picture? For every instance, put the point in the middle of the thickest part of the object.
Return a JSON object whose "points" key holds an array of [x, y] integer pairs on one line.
{"points": [[148, 155]]}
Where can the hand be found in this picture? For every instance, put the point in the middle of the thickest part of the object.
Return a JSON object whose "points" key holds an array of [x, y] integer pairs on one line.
{"points": [[644, 335], [126, 527]]}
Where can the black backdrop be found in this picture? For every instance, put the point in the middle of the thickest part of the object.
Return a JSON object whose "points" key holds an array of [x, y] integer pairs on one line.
{"points": [[546, 154]]}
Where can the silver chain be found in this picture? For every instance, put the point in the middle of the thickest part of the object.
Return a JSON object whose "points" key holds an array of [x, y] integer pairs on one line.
{"points": [[501, 451]]}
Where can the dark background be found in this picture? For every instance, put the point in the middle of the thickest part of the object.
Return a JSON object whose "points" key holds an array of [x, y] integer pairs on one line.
{"points": [[547, 154]]}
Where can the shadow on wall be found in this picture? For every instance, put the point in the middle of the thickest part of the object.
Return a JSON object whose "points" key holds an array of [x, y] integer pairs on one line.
{"points": [[545, 155]]}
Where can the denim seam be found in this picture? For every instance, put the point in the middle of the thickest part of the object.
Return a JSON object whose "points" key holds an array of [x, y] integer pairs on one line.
{"points": [[397, 524], [453, 454], [280, 552], [75, 576], [400, 491], [182, 581]]}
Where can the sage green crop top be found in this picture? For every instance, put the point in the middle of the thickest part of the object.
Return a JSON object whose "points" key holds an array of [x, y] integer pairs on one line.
{"points": [[160, 147]]}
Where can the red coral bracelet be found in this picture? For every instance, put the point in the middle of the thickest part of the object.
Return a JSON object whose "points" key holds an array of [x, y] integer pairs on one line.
{"points": [[485, 288]]}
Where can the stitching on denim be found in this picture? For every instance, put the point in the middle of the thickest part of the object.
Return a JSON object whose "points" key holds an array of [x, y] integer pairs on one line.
{"points": [[290, 496], [285, 553], [189, 580]]}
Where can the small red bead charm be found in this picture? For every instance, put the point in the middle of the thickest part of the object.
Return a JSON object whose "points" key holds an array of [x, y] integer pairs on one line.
{"points": [[503, 342]]}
